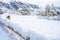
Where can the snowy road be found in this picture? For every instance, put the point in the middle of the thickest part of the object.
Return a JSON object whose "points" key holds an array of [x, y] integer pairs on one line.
{"points": [[36, 29]]}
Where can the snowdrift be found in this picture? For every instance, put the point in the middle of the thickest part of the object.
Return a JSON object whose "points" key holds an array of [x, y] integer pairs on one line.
{"points": [[32, 26]]}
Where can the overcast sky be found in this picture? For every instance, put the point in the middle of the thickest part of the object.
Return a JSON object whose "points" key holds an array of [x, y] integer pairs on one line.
{"points": [[39, 2]]}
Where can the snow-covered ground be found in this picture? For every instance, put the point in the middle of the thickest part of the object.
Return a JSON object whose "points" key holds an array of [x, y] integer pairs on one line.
{"points": [[3, 34], [32, 26]]}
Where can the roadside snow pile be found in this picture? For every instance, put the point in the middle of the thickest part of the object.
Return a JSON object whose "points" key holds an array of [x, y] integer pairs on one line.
{"points": [[33, 27]]}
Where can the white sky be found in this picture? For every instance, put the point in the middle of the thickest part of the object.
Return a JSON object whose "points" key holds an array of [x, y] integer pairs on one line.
{"points": [[38, 2]]}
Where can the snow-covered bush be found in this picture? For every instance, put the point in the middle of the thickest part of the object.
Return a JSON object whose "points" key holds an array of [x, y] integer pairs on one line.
{"points": [[49, 11]]}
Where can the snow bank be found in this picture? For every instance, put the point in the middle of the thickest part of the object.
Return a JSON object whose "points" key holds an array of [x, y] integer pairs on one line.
{"points": [[34, 27]]}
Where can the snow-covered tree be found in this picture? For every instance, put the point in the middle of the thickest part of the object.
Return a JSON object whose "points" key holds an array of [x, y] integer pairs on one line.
{"points": [[49, 11], [25, 10]]}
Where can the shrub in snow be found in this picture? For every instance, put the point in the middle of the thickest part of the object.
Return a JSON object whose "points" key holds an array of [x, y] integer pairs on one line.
{"points": [[49, 11]]}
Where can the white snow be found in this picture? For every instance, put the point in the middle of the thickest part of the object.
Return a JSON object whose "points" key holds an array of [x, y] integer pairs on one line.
{"points": [[50, 29], [41, 3]]}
